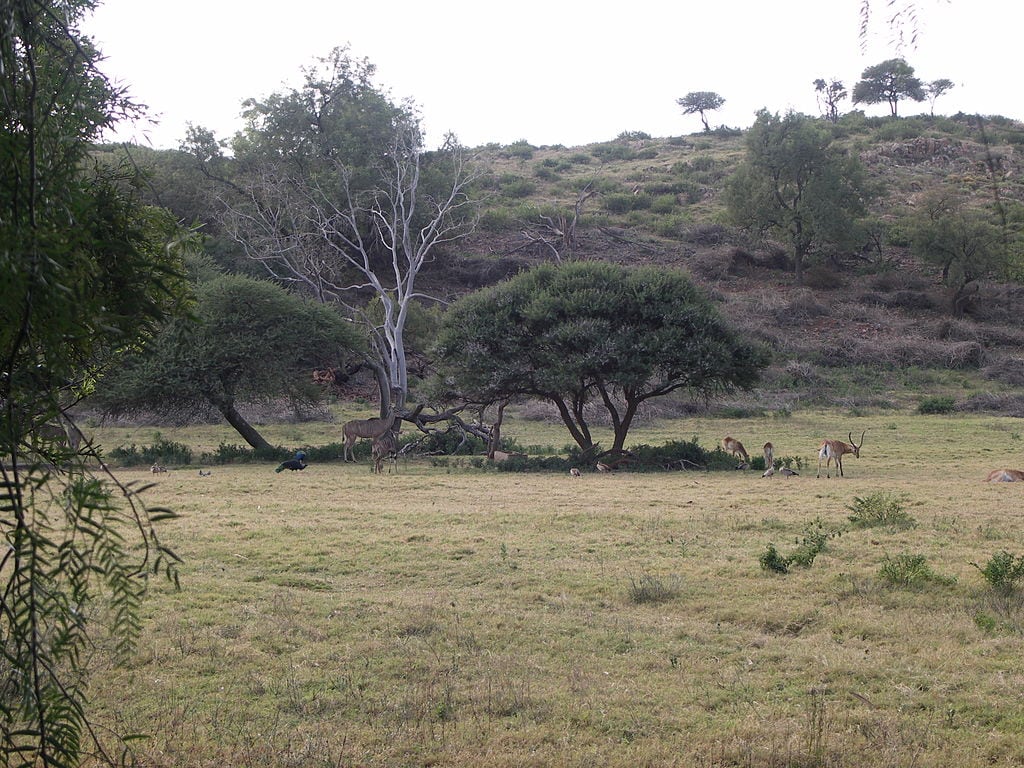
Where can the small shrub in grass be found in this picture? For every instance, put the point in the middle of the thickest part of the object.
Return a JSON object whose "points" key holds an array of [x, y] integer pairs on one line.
{"points": [[652, 589], [908, 570], [772, 561], [161, 452], [880, 509], [1003, 572], [936, 405], [813, 541]]}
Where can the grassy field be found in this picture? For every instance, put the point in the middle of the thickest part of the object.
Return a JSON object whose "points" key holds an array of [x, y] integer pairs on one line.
{"points": [[458, 616]]}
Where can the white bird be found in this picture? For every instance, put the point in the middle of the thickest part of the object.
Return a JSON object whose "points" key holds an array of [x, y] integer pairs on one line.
{"points": [[769, 472]]}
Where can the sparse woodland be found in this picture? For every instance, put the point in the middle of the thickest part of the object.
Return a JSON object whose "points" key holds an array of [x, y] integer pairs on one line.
{"points": [[806, 279]]}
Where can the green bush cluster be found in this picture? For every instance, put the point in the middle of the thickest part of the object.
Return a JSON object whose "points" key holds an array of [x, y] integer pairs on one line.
{"points": [[1003, 572], [813, 541], [909, 570], [163, 452], [880, 509], [937, 404]]}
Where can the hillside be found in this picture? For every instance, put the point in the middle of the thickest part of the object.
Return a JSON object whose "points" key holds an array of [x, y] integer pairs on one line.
{"points": [[866, 330]]}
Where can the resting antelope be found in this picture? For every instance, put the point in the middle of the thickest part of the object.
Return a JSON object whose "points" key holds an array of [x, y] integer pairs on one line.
{"points": [[1005, 476], [385, 447], [834, 450], [735, 447]]}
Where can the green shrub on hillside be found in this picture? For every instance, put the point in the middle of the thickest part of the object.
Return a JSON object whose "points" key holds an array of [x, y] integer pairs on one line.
{"points": [[936, 404], [521, 149]]}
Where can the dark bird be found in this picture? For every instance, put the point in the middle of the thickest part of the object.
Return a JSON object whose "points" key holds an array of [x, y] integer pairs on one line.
{"points": [[297, 463]]}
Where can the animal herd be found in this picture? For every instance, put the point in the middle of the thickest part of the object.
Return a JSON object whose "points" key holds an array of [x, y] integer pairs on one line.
{"points": [[833, 451]]}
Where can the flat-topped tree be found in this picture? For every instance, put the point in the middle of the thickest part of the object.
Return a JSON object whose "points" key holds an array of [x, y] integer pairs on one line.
{"points": [[889, 82], [588, 333], [700, 102]]}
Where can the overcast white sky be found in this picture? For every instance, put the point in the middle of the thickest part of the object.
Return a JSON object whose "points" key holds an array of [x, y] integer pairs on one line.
{"points": [[555, 72]]}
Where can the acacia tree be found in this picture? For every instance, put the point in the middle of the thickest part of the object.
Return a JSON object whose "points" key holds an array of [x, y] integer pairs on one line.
{"points": [[937, 88], [246, 339], [330, 189], [587, 333], [796, 184], [888, 82], [965, 242], [87, 272], [829, 96], [701, 102]]}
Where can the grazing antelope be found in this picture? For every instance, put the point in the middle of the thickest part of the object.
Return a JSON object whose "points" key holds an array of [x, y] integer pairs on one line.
{"points": [[769, 455], [385, 447], [834, 450], [735, 447], [1005, 476], [368, 428]]}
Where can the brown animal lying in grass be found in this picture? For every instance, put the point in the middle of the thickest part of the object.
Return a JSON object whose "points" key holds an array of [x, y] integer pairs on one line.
{"points": [[1006, 476]]}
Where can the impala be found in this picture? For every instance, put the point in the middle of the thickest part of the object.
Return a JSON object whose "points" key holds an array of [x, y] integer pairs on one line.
{"points": [[834, 450], [735, 447]]}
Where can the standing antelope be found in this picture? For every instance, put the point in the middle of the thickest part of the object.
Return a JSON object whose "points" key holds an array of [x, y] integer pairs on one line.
{"points": [[735, 447], [834, 450], [366, 428], [385, 447], [1005, 476]]}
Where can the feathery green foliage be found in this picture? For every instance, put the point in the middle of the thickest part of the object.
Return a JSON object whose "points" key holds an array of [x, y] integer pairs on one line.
{"points": [[86, 273]]}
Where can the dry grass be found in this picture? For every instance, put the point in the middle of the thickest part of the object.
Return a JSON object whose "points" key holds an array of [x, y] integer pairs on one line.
{"points": [[468, 617]]}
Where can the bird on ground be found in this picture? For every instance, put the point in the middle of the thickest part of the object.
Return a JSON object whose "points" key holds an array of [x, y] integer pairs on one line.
{"points": [[299, 462], [574, 472], [602, 467], [788, 472], [769, 472], [205, 474]]}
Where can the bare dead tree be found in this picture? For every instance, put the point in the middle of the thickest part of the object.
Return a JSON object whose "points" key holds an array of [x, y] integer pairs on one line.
{"points": [[361, 247], [558, 234]]}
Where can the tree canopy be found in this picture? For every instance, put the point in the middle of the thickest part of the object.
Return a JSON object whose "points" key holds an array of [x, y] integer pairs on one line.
{"points": [[889, 82], [965, 242], [583, 333], [247, 339], [701, 102], [331, 192], [796, 184]]}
